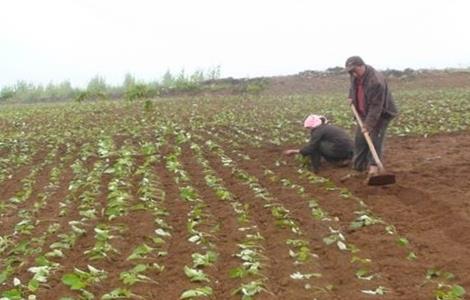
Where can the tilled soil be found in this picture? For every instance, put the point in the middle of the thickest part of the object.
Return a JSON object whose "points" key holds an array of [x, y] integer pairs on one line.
{"points": [[429, 206]]}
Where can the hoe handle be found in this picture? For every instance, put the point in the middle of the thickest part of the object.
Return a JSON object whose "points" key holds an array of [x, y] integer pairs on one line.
{"points": [[368, 139]]}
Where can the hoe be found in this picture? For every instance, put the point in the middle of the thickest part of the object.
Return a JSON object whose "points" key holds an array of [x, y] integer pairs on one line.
{"points": [[382, 178]]}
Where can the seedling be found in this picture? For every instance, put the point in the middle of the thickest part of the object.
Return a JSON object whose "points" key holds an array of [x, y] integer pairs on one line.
{"points": [[195, 274], [198, 292], [249, 290], [378, 291], [135, 275]]}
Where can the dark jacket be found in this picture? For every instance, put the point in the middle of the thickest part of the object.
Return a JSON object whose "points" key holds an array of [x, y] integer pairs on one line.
{"points": [[336, 140], [379, 100]]}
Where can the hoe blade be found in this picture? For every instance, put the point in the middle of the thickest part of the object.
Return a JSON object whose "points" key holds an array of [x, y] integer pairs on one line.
{"points": [[381, 179]]}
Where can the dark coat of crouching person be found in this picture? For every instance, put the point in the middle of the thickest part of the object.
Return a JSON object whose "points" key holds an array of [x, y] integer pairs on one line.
{"points": [[326, 141]]}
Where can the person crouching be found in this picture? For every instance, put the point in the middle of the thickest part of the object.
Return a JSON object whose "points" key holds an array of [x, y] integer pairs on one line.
{"points": [[326, 141]]}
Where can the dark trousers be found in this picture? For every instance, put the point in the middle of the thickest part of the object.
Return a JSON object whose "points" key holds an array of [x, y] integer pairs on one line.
{"points": [[326, 150], [362, 156]]}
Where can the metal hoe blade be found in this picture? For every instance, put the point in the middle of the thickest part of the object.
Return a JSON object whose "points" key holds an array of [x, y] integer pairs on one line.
{"points": [[381, 179]]}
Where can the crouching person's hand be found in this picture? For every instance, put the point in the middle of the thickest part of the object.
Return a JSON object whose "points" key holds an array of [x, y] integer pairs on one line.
{"points": [[291, 151]]}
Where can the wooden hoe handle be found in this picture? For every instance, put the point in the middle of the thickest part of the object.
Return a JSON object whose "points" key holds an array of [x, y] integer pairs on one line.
{"points": [[369, 140]]}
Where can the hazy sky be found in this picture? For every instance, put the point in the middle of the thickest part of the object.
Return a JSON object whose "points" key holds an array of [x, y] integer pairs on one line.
{"points": [[56, 40]]}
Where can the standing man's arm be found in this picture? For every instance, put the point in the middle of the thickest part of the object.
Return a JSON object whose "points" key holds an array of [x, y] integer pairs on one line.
{"points": [[376, 104], [351, 92]]}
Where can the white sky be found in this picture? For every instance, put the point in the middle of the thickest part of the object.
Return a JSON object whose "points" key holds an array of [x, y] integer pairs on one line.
{"points": [[56, 40]]}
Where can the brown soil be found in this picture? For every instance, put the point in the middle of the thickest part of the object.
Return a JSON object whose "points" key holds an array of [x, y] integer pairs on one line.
{"points": [[429, 205]]}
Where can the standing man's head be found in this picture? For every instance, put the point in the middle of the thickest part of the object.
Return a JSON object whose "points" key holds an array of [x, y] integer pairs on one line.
{"points": [[355, 66]]}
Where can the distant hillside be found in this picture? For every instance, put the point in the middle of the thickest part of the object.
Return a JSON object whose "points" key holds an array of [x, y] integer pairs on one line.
{"points": [[336, 80]]}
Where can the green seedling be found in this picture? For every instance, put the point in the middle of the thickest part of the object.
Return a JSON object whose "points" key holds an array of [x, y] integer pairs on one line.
{"points": [[249, 290], [300, 276], [79, 280], [135, 275], [402, 241], [195, 274], [204, 260], [198, 292], [120, 293], [380, 291], [364, 219], [140, 252], [364, 274], [449, 292]]}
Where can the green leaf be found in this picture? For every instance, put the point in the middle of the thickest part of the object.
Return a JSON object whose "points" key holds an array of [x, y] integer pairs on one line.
{"points": [[40, 273], [378, 291], [249, 290], [158, 240], [162, 232], [86, 295], [198, 292], [304, 254], [204, 260], [73, 281], [140, 252], [364, 274], [195, 275], [300, 276], [13, 294], [238, 272], [330, 239], [129, 278], [403, 241], [411, 256], [3, 276], [133, 275], [458, 291], [33, 285], [139, 268]]}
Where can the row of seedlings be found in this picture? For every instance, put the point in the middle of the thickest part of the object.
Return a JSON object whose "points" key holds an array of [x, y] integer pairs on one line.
{"points": [[27, 183], [11, 245], [28, 215], [443, 280], [196, 217], [118, 199], [27, 223], [365, 217], [20, 154], [84, 192], [43, 267], [336, 236], [299, 247], [251, 250], [81, 205], [152, 199]]}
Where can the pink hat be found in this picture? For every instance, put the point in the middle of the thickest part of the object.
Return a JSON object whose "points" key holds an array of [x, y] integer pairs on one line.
{"points": [[313, 121]]}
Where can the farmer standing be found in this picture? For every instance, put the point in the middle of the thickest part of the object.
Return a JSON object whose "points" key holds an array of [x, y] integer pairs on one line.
{"points": [[326, 141], [370, 95]]}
